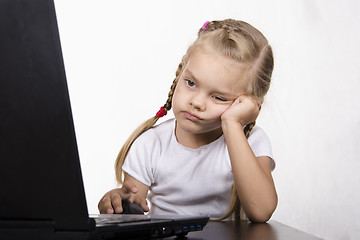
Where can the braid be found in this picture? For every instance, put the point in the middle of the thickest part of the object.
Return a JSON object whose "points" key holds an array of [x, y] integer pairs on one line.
{"points": [[211, 26], [168, 104], [248, 128], [144, 127]]}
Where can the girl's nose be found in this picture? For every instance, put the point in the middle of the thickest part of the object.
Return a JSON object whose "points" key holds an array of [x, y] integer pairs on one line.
{"points": [[198, 102]]}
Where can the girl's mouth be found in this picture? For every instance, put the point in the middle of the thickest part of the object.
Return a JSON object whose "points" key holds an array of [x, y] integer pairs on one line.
{"points": [[191, 117]]}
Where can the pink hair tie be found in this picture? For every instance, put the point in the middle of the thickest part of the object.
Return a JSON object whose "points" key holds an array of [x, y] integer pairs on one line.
{"points": [[162, 112], [204, 26]]}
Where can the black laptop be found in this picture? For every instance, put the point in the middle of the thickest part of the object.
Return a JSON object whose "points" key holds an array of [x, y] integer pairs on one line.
{"points": [[41, 190]]}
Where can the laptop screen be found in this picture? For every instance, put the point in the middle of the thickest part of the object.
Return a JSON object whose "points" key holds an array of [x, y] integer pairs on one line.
{"points": [[40, 176]]}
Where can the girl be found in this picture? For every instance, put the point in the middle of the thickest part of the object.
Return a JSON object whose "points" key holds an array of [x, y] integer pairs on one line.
{"points": [[209, 160]]}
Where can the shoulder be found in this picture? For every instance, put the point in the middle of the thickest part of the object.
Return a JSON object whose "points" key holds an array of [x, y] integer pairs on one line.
{"points": [[164, 131], [142, 158], [164, 128], [155, 136], [258, 134], [260, 144]]}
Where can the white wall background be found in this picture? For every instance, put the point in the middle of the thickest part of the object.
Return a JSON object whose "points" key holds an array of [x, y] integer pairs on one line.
{"points": [[121, 58]]}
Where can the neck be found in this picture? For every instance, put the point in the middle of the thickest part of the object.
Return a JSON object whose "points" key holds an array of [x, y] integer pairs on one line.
{"points": [[195, 141]]}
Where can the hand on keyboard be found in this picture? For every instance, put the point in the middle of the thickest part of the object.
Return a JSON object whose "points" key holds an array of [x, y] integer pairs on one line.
{"points": [[123, 200]]}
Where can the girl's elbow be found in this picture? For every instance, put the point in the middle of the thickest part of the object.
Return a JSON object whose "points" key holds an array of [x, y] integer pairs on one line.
{"points": [[262, 215]]}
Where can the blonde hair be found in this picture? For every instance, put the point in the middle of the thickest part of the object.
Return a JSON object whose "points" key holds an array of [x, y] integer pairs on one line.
{"points": [[241, 42]]}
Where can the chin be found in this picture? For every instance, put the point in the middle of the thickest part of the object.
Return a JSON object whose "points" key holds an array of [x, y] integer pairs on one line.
{"points": [[197, 127]]}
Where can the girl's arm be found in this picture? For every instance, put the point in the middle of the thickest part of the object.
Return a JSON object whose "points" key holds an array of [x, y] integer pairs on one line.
{"points": [[252, 175], [132, 190]]}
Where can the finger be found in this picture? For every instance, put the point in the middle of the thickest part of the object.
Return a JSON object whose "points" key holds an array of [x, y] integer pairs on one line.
{"points": [[105, 206], [241, 98], [129, 187], [144, 205], [247, 98], [116, 203], [255, 101]]}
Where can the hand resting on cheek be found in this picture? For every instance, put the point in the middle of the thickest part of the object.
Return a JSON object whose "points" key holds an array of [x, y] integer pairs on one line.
{"points": [[244, 110]]}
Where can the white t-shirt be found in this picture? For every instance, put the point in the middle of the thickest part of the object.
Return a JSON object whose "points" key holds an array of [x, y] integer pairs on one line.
{"points": [[187, 181]]}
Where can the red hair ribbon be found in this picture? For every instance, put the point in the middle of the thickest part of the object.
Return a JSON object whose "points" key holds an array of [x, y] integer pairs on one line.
{"points": [[162, 112]]}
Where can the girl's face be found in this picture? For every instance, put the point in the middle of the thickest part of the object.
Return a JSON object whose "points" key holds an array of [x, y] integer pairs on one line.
{"points": [[207, 87]]}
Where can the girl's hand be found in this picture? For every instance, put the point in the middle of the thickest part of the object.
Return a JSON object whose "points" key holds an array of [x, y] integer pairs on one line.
{"points": [[243, 110], [111, 202]]}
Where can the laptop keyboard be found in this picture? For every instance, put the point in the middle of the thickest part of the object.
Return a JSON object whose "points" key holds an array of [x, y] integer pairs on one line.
{"points": [[103, 219]]}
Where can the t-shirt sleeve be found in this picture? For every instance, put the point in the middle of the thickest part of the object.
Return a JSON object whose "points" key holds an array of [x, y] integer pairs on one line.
{"points": [[260, 144], [139, 163]]}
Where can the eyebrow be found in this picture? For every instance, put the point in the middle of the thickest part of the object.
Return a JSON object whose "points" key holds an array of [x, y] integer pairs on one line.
{"points": [[186, 71]]}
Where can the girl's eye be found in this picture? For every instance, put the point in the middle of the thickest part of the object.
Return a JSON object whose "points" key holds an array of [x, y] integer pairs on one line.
{"points": [[190, 83], [221, 99]]}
